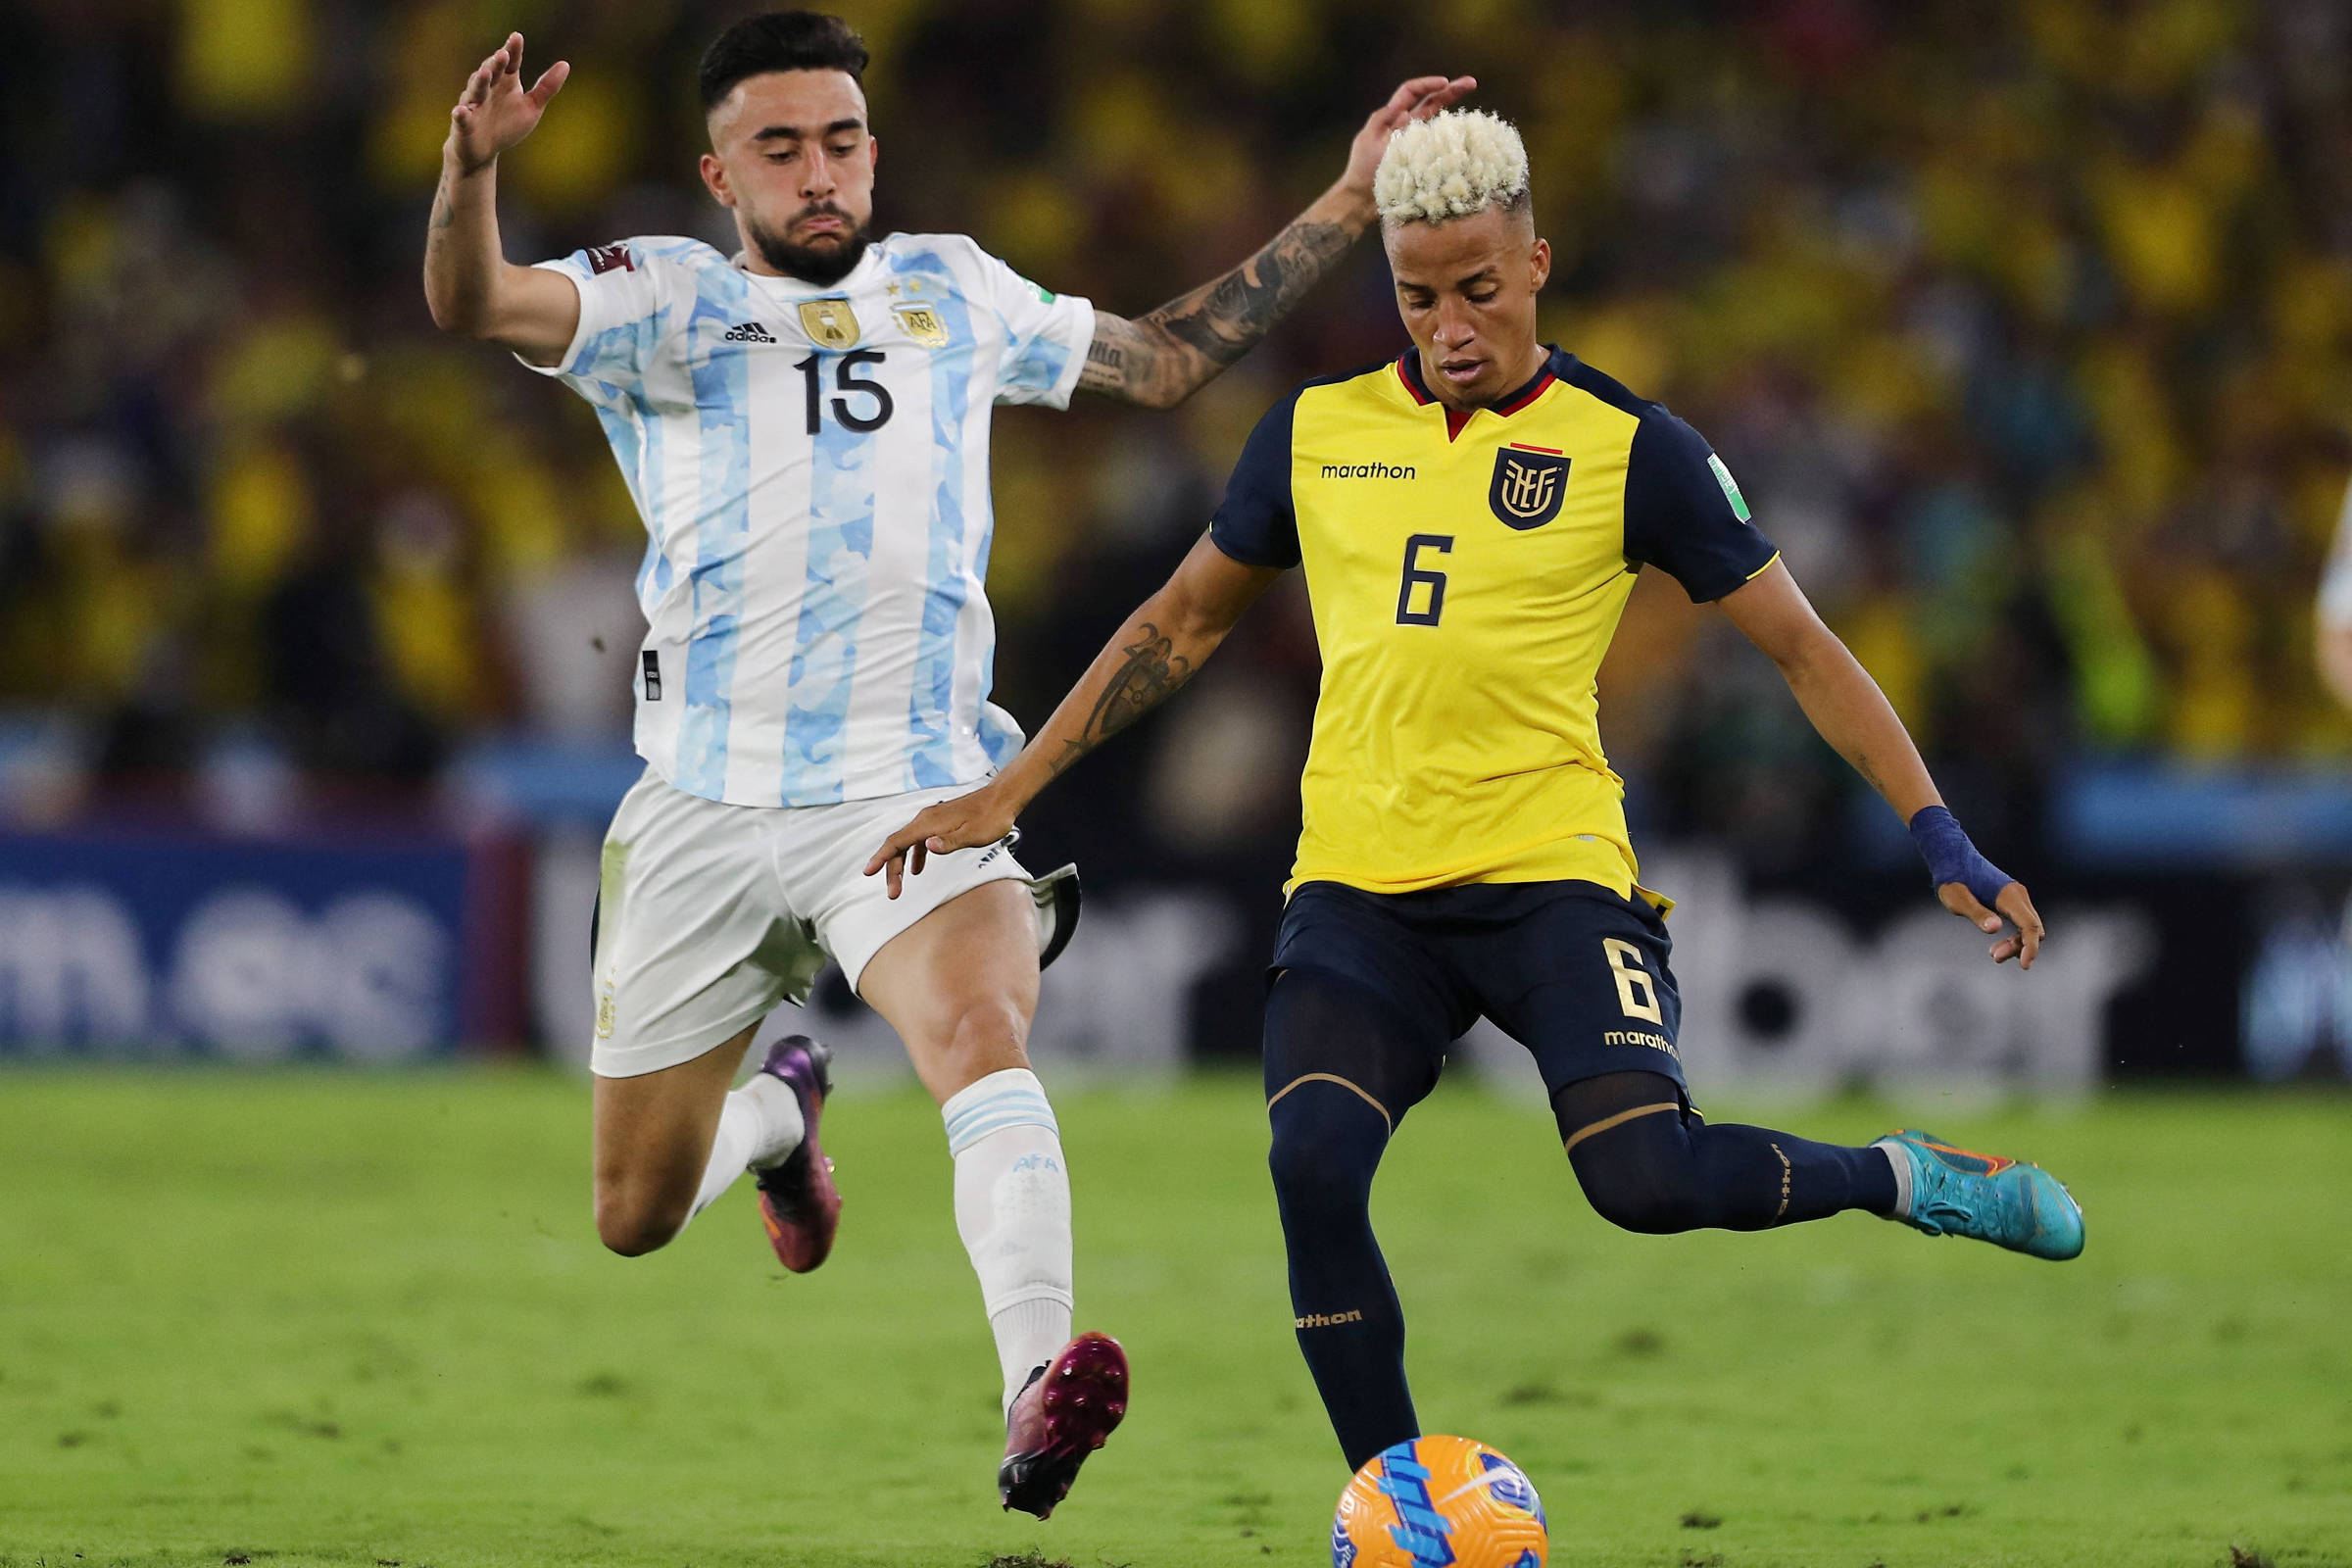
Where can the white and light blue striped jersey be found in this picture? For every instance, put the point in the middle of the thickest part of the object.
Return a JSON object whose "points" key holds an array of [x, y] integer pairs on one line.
{"points": [[811, 465]]}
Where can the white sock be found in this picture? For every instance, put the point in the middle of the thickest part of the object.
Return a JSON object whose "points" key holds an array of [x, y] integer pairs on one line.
{"points": [[1013, 1208], [760, 1125], [1902, 1178]]}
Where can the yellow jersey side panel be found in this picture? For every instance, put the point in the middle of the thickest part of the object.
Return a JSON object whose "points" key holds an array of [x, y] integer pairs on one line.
{"points": [[1457, 736]]}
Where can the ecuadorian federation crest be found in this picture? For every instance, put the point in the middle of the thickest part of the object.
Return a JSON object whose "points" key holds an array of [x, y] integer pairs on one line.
{"points": [[1529, 483], [922, 323], [829, 324]]}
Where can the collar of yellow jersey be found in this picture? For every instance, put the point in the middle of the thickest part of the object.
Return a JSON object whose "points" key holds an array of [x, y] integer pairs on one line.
{"points": [[1554, 368]]}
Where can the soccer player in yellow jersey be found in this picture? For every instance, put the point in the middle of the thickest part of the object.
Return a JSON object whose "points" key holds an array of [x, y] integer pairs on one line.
{"points": [[1470, 519]]}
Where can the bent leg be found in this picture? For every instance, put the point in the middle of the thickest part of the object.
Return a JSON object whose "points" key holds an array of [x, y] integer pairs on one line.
{"points": [[1330, 1128], [1648, 1165], [693, 945], [658, 1135], [960, 986]]}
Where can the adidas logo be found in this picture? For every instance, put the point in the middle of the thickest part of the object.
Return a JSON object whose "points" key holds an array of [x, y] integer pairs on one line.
{"points": [[750, 332]]}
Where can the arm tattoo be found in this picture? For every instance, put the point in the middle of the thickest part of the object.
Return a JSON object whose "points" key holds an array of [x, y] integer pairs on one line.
{"points": [[1162, 358], [1224, 320], [1121, 362], [1152, 673], [445, 210], [1870, 774]]}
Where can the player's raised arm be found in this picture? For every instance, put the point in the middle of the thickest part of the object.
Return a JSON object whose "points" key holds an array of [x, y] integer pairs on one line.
{"points": [[469, 285], [1162, 645], [1853, 716], [1161, 358]]}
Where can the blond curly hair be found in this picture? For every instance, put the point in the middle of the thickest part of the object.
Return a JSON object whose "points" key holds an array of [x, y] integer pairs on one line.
{"points": [[1450, 166]]}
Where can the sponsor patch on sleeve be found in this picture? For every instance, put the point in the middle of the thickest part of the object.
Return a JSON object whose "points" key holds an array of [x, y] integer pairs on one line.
{"points": [[604, 258]]}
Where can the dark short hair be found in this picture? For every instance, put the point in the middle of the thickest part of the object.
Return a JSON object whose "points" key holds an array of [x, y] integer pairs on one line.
{"points": [[780, 40]]}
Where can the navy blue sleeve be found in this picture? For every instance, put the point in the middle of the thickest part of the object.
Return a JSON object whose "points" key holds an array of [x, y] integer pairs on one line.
{"points": [[1255, 524], [1683, 512]]}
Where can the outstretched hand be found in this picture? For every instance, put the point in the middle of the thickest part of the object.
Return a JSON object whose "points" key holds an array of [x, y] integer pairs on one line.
{"points": [[963, 823], [2012, 902], [1418, 99], [494, 112]]}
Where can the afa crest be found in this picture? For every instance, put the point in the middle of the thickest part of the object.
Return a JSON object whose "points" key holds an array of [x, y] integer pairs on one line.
{"points": [[922, 323], [1528, 486], [829, 324]]}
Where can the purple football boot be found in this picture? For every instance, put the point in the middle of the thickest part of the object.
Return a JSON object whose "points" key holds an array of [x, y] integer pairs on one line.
{"points": [[1066, 1411], [797, 1201]]}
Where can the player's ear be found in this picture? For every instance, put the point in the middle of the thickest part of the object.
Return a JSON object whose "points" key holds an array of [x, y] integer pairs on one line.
{"points": [[714, 175], [1539, 264]]}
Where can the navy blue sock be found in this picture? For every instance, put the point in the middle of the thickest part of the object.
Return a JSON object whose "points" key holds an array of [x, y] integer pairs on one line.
{"points": [[1645, 1167], [1328, 1140], [1343, 1062]]}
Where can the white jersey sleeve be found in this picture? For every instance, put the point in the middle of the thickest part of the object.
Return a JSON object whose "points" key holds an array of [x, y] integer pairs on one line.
{"points": [[628, 289], [1046, 335], [2336, 583]]}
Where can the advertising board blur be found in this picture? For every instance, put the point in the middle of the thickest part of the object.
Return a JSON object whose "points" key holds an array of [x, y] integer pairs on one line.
{"points": [[181, 944], [1783, 992]]}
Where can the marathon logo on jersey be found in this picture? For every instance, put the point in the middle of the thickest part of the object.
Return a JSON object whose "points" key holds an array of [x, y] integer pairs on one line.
{"points": [[1528, 486], [1367, 470], [1640, 1037], [922, 323], [750, 332], [615, 257], [829, 324]]}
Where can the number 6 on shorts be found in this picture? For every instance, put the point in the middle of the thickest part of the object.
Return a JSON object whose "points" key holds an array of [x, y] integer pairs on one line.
{"points": [[1635, 993]]}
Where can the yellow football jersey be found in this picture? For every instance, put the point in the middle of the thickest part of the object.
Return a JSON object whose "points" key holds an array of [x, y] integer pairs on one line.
{"points": [[1467, 571]]}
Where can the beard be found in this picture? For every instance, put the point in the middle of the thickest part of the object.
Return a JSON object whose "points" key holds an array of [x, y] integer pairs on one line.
{"points": [[825, 263]]}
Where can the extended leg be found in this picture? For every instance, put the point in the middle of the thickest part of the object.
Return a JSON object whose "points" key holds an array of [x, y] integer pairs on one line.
{"points": [[960, 986], [1329, 1132], [1648, 1167]]}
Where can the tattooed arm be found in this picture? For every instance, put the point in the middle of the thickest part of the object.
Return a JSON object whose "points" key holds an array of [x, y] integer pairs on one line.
{"points": [[1161, 358], [1159, 649]]}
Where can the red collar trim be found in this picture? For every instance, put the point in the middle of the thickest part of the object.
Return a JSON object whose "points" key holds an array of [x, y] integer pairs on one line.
{"points": [[1527, 394], [1409, 371]]}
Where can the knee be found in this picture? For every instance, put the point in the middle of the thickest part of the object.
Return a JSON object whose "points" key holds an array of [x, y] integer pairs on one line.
{"points": [[1643, 1201], [987, 1035], [1321, 1163], [992, 1025], [634, 1222]]}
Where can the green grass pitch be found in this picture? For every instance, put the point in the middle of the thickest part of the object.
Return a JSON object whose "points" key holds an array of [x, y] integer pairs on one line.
{"points": [[351, 1319]]}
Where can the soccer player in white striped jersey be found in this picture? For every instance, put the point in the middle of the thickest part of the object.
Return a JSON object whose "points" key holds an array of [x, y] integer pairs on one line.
{"points": [[805, 430]]}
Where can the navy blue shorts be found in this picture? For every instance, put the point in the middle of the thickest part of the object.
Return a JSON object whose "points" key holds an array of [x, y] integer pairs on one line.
{"points": [[1571, 970]]}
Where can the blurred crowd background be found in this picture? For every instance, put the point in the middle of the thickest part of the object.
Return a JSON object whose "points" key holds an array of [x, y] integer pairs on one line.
{"points": [[2025, 325]]}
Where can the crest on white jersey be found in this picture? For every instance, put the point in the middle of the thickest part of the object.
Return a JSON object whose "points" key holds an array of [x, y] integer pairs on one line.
{"points": [[829, 324], [922, 323]]}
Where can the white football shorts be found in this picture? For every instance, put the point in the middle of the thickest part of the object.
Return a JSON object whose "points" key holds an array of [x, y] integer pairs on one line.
{"points": [[709, 914]]}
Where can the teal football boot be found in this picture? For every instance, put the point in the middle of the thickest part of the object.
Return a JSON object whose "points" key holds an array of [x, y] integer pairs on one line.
{"points": [[1957, 1191]]}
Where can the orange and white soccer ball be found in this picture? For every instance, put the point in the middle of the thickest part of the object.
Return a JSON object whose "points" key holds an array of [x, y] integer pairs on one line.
{"points": [[1439, 1503]]}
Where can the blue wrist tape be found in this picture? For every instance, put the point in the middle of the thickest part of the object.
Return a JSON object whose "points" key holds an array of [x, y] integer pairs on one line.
{"points": [[1951, 858]]}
